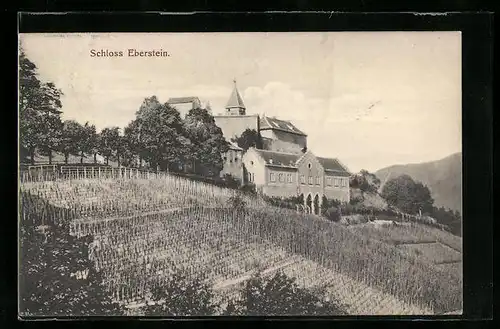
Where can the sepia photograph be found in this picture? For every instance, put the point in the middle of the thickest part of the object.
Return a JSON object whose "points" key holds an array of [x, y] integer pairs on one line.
{"points": [[240, 174]]}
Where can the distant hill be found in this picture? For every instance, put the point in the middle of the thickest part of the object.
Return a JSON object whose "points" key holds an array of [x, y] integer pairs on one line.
{"points": [[443, 178]]}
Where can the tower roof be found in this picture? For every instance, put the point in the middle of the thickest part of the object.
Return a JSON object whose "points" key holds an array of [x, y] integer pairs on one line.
{"points": [[235, 100]]}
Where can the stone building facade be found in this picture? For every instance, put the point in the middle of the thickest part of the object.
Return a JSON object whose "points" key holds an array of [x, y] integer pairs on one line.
{"points": [[304, 175]]}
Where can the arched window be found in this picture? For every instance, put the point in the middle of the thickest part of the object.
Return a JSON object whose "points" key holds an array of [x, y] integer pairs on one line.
{"points": [[309, 165]]}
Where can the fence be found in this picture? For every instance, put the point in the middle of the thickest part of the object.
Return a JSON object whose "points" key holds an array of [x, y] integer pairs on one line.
{"points": [[53, 172]]}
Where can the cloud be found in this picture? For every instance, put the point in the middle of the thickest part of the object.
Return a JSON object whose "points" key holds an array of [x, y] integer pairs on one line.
{"points": [[361, 129]]}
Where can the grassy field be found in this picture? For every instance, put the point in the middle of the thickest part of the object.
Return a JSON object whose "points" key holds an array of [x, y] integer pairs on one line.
{"points": [[145, 229]]}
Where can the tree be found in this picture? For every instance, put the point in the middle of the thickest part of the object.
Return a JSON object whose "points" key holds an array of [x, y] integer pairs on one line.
{"points": [[132, 140], [70, 138], [88, 142], [182, 295], [51, 136], [249, 138], [162, 136], [365, 181], [407, 195], [109, 142], [56, 276], [207, 142], [39, 112], [280, 295]]}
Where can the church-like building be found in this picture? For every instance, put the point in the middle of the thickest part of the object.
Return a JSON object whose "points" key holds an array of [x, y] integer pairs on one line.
{"points": [[284, 167]]}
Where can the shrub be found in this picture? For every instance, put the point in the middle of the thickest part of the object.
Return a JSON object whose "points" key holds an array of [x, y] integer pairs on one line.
{"points": [[48, 284], [280, 295], [230, 181], [288, 203], [333, 214], [182, 295], [248, 188]]}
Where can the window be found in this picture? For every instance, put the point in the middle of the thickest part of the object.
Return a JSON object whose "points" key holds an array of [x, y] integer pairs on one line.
{"points": [[310, 180], [280, 177], [344, 182], [309, 166], [272, 177], [318, 180], [253, 177], [302, 179], [329, 181], [289, 178], [336, 181]]}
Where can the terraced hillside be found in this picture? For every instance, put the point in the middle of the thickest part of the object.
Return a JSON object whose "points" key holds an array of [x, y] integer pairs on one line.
{"points": [[146, 229]]}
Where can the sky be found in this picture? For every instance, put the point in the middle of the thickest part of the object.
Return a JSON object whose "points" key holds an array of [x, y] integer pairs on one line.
{"points": [[370, 99]]}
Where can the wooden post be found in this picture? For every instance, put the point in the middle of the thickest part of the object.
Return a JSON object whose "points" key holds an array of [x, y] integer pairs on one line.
{"points": [[77, 173], [99, 168], [85, 172]]}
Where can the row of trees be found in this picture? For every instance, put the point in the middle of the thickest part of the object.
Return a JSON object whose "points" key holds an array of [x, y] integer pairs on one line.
{"points": [[157, 136]]}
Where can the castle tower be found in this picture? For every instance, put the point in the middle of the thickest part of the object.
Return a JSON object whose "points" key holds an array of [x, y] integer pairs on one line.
{"points": [[235, 104]]}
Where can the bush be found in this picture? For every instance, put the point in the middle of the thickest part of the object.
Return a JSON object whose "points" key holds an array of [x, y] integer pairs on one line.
{"points": [[333, 214], [182, 296], [280, 295], [288, 203], [230, 181], [248, 188]]}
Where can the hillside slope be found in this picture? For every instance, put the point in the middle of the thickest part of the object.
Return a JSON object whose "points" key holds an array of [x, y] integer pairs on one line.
{"points": [[443, 177]]}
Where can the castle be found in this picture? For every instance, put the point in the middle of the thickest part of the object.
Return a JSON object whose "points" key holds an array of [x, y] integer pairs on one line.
{"points": [[284, 167]]}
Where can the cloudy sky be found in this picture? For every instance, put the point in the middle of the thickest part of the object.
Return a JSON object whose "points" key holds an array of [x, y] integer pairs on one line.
{"points": [[372, 99]]}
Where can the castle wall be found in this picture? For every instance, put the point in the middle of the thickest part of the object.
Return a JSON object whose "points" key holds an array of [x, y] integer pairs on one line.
{"points": [[281, 146], [233, 164], [234, 126], [285, 138], [183, 108], [254, 168]]}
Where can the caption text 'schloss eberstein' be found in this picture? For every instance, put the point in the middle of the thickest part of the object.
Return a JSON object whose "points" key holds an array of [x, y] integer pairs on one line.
{"points": [[131, 52]]}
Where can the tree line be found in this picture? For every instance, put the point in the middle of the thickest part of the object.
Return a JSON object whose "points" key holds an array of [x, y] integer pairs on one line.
{"points": [[157, 137]]}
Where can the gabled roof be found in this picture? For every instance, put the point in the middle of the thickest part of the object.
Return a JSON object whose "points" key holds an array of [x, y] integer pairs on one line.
{"points": [[235, 100], [333, 165], [279, 159], [267, 123], [180, 100]]}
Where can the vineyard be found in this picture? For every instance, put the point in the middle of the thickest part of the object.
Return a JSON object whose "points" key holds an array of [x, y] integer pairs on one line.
{"points": [[145, 229]]}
